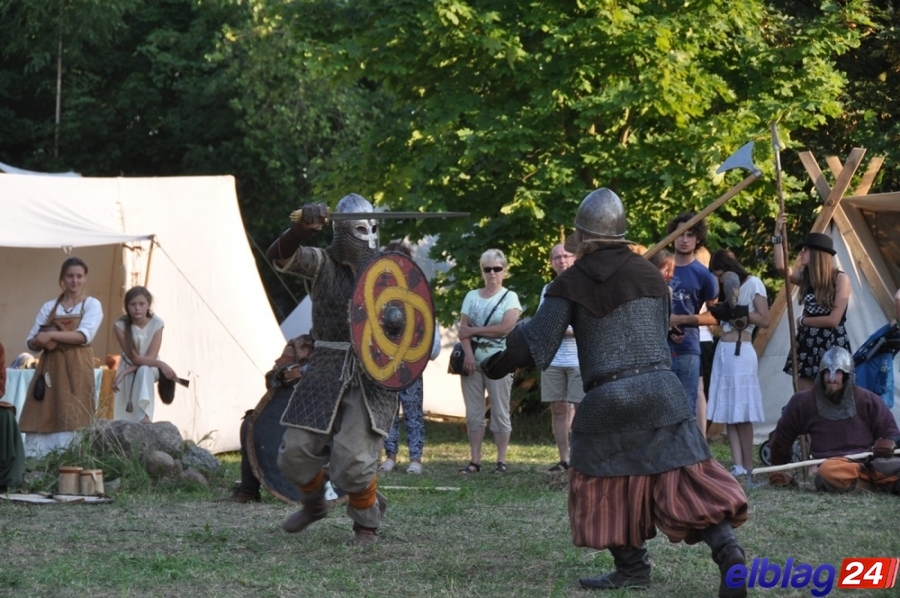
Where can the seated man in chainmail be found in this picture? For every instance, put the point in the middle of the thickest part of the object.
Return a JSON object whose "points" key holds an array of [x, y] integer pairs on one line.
{"points": [[841, 419], [337, 413], [638, 460]]}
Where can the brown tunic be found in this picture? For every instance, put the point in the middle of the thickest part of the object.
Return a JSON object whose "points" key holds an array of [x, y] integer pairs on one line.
{"points": [[68, 402]]}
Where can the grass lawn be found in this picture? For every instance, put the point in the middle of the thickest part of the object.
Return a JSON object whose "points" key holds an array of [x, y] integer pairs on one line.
{"points": [[498, 535]]}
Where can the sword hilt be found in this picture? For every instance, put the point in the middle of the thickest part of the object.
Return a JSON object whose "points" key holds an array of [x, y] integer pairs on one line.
{"points": [[297, 215]]}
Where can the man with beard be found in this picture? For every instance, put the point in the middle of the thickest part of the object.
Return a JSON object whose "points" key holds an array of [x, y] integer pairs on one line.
{"points": [[638, 460], [841, 419], [337, 413]]}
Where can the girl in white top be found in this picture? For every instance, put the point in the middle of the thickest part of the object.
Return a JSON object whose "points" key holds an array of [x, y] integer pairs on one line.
{"points": [[735, 397], [139, 333]]}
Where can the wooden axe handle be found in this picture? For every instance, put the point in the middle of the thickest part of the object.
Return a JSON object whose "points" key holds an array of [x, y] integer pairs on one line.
{"points": [[701, 215]]}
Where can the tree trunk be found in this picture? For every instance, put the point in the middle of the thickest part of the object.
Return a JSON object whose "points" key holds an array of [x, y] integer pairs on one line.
{"points": [[58, 96]]}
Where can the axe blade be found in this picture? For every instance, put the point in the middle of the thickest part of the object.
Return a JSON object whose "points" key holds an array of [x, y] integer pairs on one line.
{"points": [[743, 158], [776, 141]]}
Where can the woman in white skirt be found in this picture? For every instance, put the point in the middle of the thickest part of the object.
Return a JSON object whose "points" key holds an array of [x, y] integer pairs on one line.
{"points": [[735, 398], [139, 333]]}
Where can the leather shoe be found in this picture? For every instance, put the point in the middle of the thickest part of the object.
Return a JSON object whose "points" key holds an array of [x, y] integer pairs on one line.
{"points": [[242, 497], [311, 512], [364, 536]]}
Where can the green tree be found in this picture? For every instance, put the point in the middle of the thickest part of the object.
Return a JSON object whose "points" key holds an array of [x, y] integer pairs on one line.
{"points": [[296, 127], [57, 32], [515, 111]]}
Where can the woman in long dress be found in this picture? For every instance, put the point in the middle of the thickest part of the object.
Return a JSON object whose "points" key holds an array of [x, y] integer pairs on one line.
{"points": [[60, 399], [735, 397], [139, 333]]}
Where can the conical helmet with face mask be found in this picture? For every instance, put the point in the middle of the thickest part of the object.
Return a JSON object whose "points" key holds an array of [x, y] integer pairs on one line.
{"points": [[355, 241]]}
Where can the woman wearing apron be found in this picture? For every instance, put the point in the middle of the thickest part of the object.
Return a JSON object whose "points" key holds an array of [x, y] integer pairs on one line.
{"points": [[60, 398]]}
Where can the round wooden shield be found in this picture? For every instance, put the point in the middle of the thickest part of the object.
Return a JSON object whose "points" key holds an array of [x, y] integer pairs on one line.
{"points": [[263, 440], [392, 320]]}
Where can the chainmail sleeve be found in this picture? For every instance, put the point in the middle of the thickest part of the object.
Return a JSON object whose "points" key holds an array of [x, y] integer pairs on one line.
{"points": [[545, 331], [306, 262]]}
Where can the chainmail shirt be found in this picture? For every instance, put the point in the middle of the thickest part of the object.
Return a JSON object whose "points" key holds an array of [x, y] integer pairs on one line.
{"points": [[333, 368], [628, 423]]}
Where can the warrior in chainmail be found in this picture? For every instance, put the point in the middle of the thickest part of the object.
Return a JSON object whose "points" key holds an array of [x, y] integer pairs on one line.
{"points": [[335, 401], [841, 419], [638, 460]]}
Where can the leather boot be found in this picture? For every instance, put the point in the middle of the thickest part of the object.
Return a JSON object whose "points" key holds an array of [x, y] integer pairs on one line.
{"points": [[632, 571], [242, 495], [313, 510], [726, 552], [248, 489], [364, 536]]}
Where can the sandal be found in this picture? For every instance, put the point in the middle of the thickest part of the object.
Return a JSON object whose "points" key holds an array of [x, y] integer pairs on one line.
{"points": [[501, 467], [561, 466], [472, 467]]}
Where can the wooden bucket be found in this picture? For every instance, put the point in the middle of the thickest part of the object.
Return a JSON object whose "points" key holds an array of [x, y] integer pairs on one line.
{"points": [[91, 482], [69, 481]]}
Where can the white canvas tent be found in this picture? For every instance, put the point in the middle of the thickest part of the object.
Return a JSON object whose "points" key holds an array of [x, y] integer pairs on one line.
{"points": [[220, 331], [866, 234]]}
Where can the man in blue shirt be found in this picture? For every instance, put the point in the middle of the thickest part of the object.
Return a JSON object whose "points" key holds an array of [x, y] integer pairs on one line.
{"points": [[692, 285]]}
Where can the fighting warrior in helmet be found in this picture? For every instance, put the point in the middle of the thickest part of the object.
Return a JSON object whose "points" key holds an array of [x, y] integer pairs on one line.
{"points": [[638, 460], [841, 419], [337, 414]]}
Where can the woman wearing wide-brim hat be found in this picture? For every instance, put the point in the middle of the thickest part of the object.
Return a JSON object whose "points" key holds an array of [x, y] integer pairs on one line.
{"points": [[825, 295]]}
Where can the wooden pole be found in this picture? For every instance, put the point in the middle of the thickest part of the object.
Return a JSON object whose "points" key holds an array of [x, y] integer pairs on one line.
{"points": [[700, 215], [785, 256], [810, 463]]}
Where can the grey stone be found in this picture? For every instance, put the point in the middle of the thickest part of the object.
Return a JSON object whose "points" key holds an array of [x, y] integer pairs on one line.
{"points": [[159, 464], [136, 440], [194, 476], [199, 458]]}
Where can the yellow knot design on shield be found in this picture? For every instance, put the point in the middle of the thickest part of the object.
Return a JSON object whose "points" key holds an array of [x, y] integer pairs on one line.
{"points": [[402, 350]]}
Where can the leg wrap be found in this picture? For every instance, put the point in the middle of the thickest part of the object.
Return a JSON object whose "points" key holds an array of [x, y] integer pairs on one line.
{"points": [[314, 484], [365, 499]]}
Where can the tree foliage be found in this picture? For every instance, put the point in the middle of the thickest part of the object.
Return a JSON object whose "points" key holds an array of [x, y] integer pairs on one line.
{"points": [[511, 111], [515, 111]]}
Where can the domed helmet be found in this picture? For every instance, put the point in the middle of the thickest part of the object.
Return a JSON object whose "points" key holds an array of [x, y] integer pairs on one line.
{"points": [[355, 241], [601, 215]]}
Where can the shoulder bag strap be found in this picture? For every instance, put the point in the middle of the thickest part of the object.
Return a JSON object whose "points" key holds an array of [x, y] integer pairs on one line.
{"points": [[496, 305]]}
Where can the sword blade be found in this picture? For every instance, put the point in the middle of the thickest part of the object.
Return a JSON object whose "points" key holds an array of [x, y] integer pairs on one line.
{"points": [[393, 215]]}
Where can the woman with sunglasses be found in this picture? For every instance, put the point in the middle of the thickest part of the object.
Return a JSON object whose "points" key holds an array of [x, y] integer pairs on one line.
{"points": [[488, 315], [825, 293]]}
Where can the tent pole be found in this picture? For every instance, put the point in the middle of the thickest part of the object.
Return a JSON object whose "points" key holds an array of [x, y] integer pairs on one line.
{"points": [[149, 262]]}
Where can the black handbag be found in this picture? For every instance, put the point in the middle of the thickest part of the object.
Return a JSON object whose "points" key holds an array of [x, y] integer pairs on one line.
{"points": [[40, 387], [457, 359], [166, 389], [458, 356]]}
